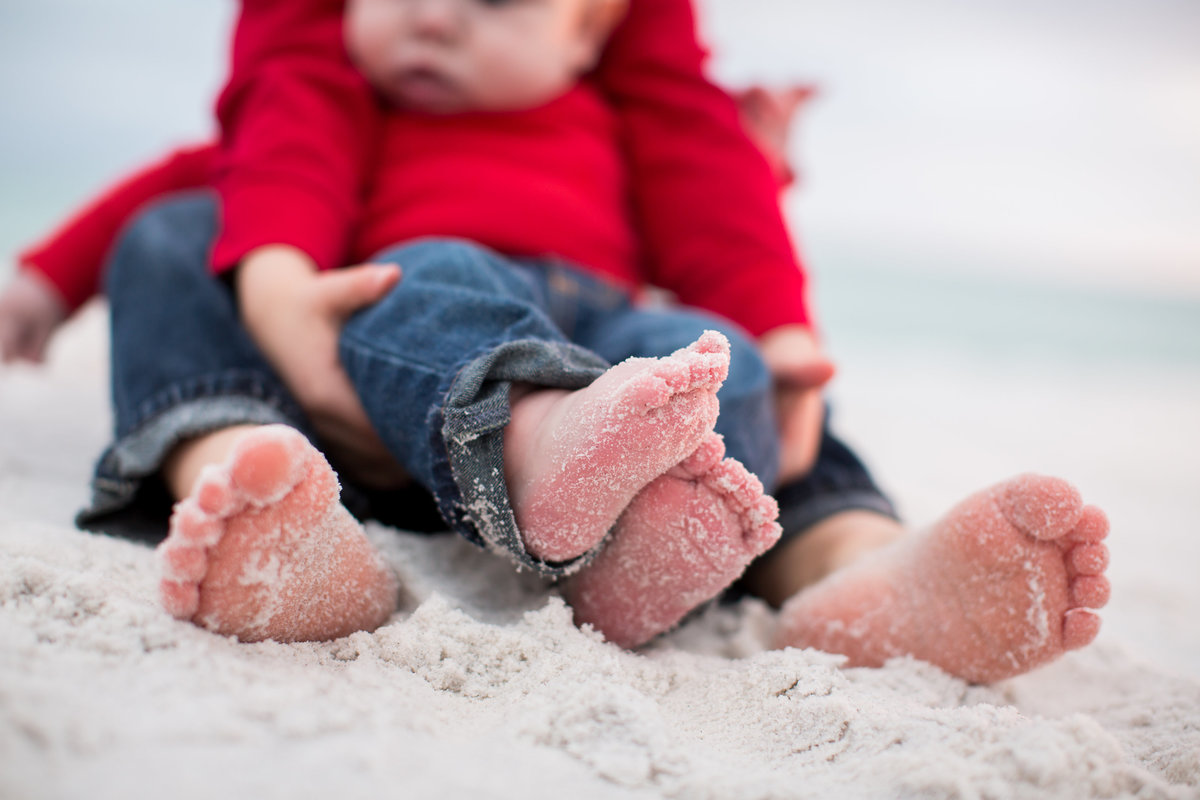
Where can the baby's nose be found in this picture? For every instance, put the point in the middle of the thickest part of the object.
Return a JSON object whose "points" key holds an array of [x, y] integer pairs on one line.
{"points": [[438, 19]]}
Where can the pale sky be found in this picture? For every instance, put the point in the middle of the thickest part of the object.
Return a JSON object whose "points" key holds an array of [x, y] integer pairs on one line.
{"points": [[1058, 140]]}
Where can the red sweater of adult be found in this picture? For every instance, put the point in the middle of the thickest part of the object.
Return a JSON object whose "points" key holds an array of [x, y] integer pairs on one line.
{"points": [[641, 173]]}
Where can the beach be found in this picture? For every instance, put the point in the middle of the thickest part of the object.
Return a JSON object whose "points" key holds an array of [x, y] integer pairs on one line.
{"points": [[984, 323]]}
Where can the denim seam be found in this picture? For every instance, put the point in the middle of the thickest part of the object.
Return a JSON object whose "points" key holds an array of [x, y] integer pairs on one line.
{"points": [[352, 341]]}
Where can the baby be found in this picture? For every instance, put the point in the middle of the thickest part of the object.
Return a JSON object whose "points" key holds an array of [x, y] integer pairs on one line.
{"points": [[486, 376]]}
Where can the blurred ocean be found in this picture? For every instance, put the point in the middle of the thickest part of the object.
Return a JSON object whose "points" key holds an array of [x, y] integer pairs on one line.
{"points": [[997, 177]]}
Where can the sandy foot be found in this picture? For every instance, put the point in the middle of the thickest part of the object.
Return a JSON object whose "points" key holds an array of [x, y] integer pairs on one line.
{"points": [[263, 549], [605, 442], [1002, 584], [684, 538]]}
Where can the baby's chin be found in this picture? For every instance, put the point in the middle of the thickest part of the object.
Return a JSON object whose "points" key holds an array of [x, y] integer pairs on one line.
{"points": [[434, 96], [426, 92]]}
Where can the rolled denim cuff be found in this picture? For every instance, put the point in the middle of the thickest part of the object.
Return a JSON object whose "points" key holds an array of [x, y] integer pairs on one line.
{"points": [[467, 441], [122, 472]]}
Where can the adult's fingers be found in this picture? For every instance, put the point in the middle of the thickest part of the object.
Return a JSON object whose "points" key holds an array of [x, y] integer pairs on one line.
{"points": [[344, 291]]}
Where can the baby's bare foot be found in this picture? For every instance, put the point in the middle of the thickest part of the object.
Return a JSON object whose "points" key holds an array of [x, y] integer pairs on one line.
{"points": [[263, 549], [1003, 584], [684, 538], [574, 460]]}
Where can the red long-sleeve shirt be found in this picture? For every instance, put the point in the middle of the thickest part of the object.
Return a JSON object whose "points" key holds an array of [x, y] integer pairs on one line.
{"points": [[642, 173], [72, 255]]}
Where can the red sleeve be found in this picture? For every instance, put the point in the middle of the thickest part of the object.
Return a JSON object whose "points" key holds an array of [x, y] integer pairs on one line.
{"points": [[706, 200], [298, 127], [72, 257]]}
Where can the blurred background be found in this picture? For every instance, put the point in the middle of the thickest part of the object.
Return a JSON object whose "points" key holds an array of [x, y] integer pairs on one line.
{"points": [[999, 203]]}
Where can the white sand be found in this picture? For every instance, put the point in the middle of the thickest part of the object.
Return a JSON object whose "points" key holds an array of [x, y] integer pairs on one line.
{"points": [[482, 687]]}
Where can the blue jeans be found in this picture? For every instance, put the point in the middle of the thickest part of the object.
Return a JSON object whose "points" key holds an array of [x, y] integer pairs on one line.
{"points": [[432, 362]]}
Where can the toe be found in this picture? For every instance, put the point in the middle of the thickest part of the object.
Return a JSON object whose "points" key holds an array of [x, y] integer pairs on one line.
{"points": [[648, 391], [764, 511], [1090, 591], [1087, 559], [742, 493], [214, 496], [762, 531], [1092, 526], [709, 360], [674, 374], [1079, 628], [269, 462], [179, 598], [192, 525], [707, 456], [1044, 508], [739, 486], [711, 342], [185, 564]]}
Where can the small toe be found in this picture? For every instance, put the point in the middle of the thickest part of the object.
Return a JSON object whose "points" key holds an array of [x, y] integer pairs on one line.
{"points": [[194, 526], [188, 564], [1092, 526], [1087, 559], [1044, 508], [707, 455], [762, 536], [764, 513], [180, 599], [1080, 627], [741, 487], [1090, 591], [213, 494]]}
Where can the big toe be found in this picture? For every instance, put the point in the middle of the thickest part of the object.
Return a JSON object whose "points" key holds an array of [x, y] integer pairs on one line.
{"points": [[708, 360], [270, 462], [1044, 508]]}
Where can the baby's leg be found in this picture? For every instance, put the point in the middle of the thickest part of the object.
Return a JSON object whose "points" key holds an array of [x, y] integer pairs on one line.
{"points": [[684, 538], [261, 548], [1002, 584], [574, 460]]}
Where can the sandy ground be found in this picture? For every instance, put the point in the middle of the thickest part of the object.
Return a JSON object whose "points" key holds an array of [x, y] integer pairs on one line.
{"points": [[481, 684]]}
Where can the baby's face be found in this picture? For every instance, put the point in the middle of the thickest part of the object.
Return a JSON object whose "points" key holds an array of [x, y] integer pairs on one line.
{"points": [[449, 56]]}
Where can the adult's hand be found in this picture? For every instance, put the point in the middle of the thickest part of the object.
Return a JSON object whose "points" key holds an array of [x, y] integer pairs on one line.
{"points": [[295, 314], [30, 312], [800, 369]]}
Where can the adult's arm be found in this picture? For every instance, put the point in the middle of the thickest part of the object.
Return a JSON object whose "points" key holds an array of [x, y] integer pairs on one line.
{"points": [[705, 198], [298, 130], [72, 256]]}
